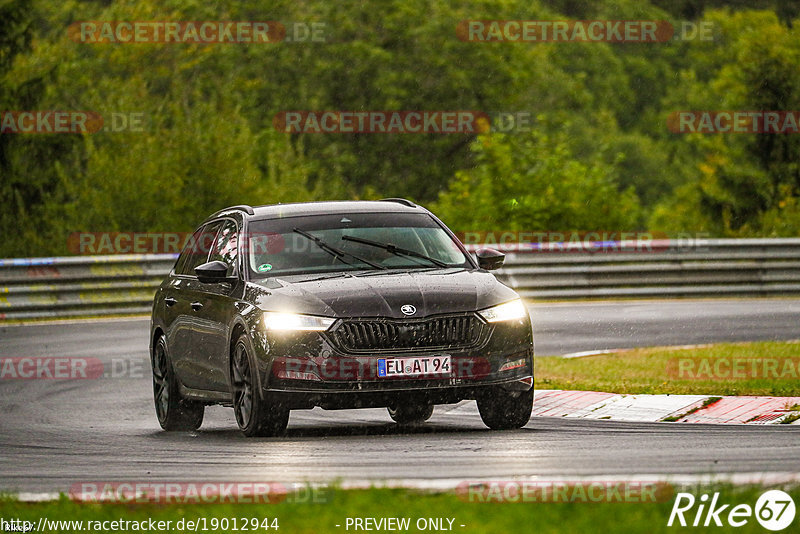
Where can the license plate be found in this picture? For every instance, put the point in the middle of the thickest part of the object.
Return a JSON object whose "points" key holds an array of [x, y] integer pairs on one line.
{"points": [[438, 365]]}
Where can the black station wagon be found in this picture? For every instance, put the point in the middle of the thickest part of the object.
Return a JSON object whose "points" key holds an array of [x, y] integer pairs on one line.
{"points": [[351, 304]]}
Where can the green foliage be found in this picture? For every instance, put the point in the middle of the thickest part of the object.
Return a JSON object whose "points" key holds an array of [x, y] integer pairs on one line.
{"points": [[742, 183], [599, 155], [534, 183], [693, 9]]}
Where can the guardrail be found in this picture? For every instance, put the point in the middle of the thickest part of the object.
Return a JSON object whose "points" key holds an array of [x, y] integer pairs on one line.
{"points": [[80, 285], [103, 285], [663, 269]]}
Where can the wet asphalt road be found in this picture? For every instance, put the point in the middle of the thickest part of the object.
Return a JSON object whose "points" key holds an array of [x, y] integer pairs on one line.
{"points": [[57, 433]]}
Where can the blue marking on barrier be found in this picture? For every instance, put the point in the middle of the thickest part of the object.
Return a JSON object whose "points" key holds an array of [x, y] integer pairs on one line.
{"points": [[88, 260], [17, 262]]}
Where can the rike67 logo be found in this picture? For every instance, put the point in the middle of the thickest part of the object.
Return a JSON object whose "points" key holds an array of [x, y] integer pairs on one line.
{"points": [[774, 510]]}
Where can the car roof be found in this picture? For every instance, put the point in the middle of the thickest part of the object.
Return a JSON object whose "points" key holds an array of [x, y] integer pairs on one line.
{"points": [[321, 208]]}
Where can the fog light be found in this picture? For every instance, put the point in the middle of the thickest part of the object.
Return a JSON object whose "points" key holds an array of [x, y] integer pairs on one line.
{"points": [[514, 364]]}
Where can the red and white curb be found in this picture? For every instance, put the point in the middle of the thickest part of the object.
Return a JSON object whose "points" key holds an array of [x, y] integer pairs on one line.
{"points": [[655, 408]]}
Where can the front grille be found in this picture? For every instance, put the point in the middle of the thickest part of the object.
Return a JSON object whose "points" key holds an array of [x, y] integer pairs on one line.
{"points": [[389, 335]]}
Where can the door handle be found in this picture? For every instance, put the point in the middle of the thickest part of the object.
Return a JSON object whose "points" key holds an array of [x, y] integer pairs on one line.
{"points": [[170, 301], [197, 305]]}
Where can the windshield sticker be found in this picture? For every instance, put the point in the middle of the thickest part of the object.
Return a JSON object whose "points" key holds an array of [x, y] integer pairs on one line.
{"points": [[264, 267]]}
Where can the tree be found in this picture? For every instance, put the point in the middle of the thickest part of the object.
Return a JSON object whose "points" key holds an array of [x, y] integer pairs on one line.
{"points": [[741, 177], [534, 183]]}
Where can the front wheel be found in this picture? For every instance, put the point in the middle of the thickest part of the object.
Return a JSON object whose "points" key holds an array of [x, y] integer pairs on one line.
{"points": [[410, 413], [503, 410], [255, 414], [173, 412]]}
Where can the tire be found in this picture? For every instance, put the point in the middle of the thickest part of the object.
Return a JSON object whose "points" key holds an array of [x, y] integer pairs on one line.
{"points": [[173, 411], [410, 413], [256, 414], [504, 410]]}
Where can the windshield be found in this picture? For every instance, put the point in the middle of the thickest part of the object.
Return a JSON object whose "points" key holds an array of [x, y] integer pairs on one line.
{"points": [[333, 243]]}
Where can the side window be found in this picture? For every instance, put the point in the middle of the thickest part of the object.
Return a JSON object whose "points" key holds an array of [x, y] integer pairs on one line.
{"points": [[197, 249], [186, 252], [226, 246]]}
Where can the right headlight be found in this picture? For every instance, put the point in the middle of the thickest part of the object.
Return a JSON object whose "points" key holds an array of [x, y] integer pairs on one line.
{"points": [[294, 322], [505, 312]]}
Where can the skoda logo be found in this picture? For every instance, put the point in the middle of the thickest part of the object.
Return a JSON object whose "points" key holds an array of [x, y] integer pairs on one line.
{"points": [[408, 309]]}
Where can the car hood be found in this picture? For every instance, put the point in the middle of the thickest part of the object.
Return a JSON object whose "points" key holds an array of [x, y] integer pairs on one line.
{"points": [[381, 294]]}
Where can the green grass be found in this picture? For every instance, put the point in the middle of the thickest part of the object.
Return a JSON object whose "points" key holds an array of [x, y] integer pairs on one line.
{"points": [[792, 418], [502, 518], [655, 370]]}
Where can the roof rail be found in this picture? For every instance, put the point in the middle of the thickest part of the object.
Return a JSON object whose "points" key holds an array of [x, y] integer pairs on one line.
{"points": [[241, 207], [402, 201]]}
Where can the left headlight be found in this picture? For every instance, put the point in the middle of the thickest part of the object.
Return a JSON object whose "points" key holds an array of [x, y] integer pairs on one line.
{"points": [[505, 312], [294, 321]]}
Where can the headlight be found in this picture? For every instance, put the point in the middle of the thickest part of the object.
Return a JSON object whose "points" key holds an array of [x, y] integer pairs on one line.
{"points": [[294, 321], [505, 312]]}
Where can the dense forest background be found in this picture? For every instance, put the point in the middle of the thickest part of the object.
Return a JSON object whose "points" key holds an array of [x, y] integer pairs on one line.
{"points": [[599, 155]]}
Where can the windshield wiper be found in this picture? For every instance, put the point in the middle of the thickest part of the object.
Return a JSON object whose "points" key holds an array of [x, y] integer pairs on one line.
{"points": [[395, 250], [335, 252]]}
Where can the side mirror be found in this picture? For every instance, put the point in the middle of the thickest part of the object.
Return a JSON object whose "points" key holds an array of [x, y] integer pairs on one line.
{"points": [[490, 259], [213, 272]]}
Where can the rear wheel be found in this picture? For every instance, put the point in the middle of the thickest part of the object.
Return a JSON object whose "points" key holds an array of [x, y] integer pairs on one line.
{"points": [[410, 413], [173, 412], [503, 410], [255, 414]]}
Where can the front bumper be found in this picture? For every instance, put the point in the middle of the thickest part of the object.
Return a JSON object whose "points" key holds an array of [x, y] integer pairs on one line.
{"points": [[311, 369]]}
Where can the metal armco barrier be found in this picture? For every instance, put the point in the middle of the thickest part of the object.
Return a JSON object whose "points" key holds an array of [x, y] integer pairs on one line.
{"points": [[80, 285], [103, 285], [658, 269]]}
